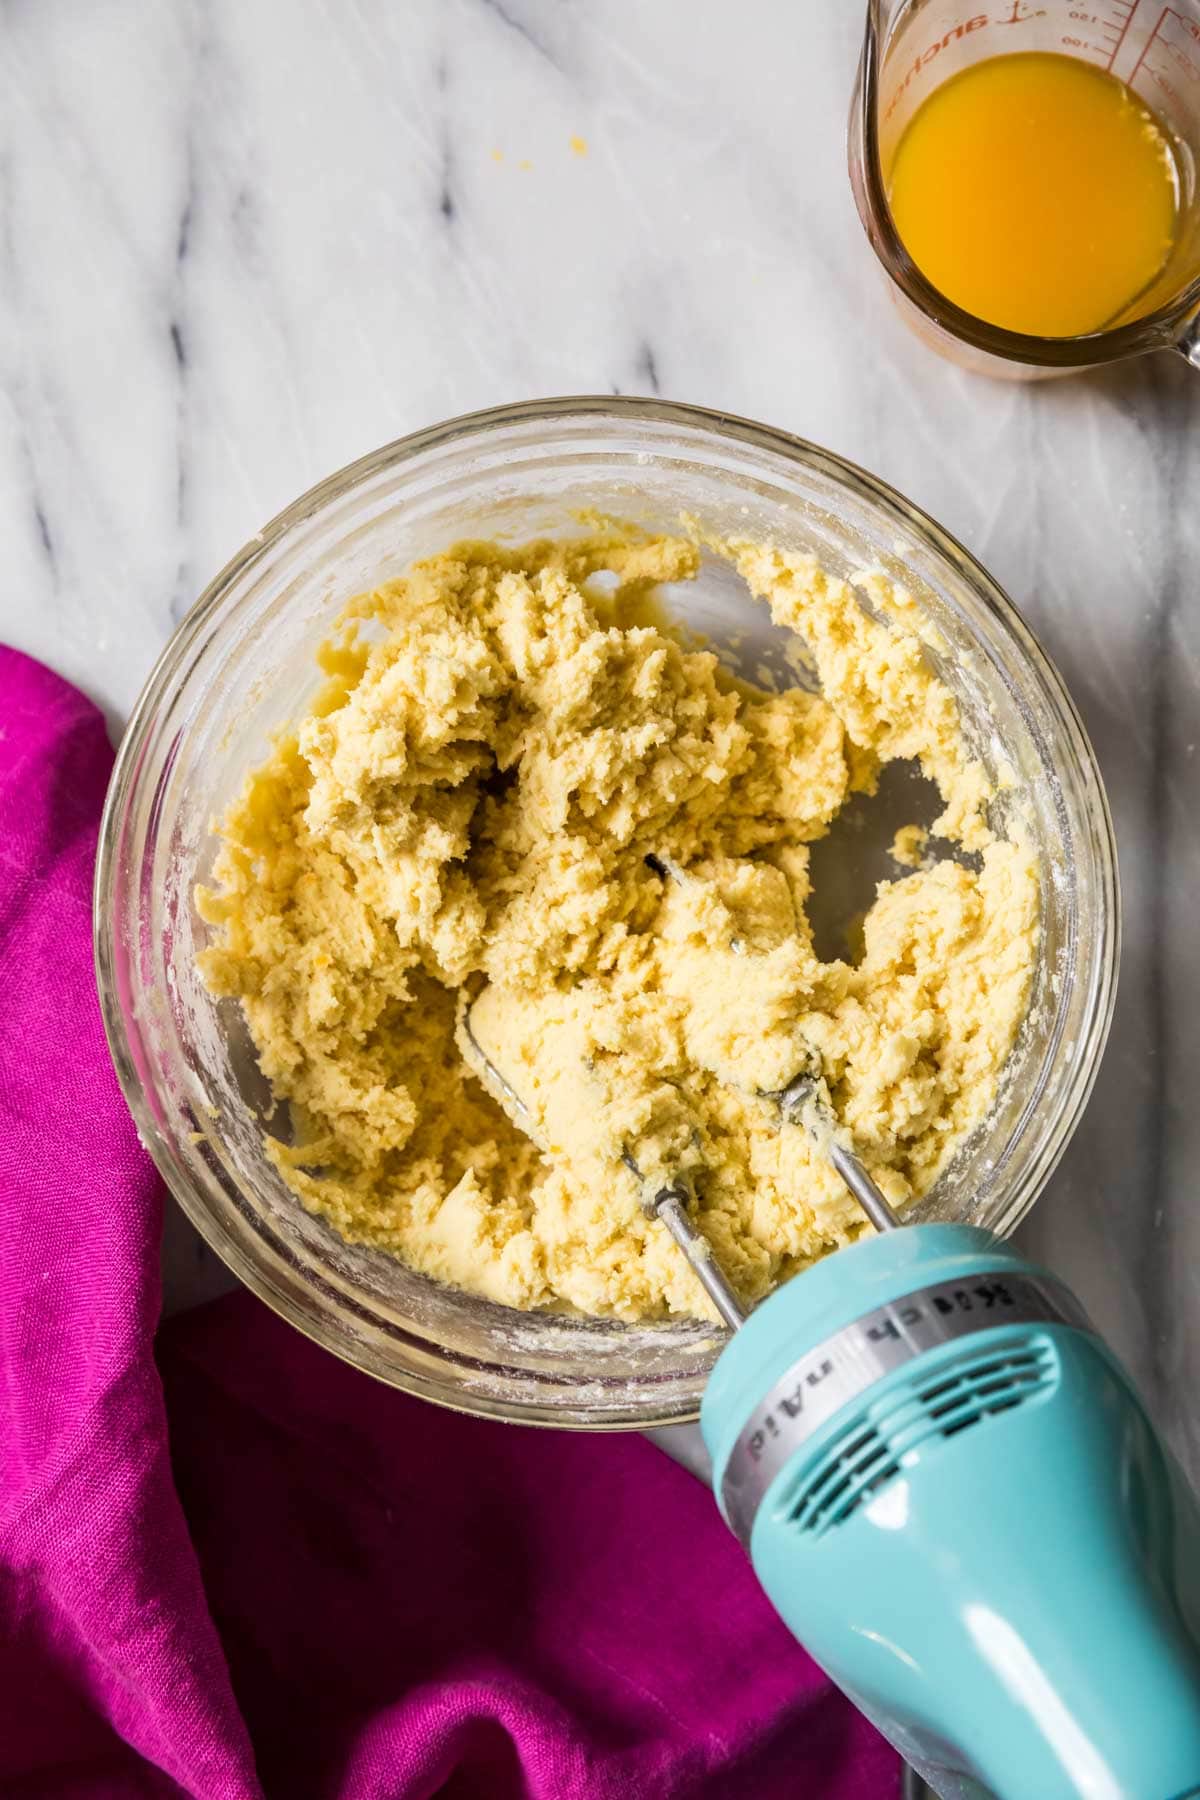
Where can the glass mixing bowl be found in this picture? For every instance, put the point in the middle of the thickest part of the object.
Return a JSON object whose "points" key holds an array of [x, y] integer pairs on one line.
{"points": [[242, 664]]}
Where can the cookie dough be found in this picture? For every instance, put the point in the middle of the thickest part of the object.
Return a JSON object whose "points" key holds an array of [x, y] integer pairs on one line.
{"points": [[463, 822]]}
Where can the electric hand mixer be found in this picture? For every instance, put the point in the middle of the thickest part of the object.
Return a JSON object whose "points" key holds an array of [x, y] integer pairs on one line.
{"points": [[953, 1496]]}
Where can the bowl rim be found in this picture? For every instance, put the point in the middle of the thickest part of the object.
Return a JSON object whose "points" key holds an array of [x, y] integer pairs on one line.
{"points": [[718, 425]]}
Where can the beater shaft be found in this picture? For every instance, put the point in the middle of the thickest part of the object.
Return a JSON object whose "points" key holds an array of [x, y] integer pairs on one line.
{"points": [[801, 1097], [862, 1187], [670, 1205]]}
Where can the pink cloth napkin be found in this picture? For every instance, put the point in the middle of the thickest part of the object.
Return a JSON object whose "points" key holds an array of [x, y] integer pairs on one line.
{"points": [[245, 1569]]}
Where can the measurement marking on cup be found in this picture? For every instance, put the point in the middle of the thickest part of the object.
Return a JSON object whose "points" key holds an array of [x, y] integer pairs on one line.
{"points": [[1127, 8], [1186, 25], [1099, 51], [1101, 33], [1182, 60], [1169, 47], [1110, 25], [1158, 23]]}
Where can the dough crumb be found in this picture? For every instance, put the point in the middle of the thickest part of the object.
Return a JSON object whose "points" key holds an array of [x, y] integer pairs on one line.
{"points": [[909, 846]]}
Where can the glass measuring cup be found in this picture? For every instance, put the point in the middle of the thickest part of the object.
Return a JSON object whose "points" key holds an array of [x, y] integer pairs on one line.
{"points": [[910, 47]]}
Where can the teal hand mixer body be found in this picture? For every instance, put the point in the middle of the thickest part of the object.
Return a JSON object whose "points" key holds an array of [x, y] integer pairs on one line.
{"points": [[952, 1494]]}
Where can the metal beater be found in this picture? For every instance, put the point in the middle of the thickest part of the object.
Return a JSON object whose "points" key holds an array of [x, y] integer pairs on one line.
{"points": [[799, 1100]]}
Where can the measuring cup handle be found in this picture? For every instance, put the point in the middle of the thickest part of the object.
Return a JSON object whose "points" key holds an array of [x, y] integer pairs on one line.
{"points": [[1188, 341]]}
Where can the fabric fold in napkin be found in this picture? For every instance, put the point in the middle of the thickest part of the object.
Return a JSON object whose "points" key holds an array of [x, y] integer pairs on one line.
{"points": [[232, 1567]]}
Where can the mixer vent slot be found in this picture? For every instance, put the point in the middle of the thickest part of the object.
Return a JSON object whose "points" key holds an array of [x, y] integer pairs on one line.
{"points": [[868, 1452]]}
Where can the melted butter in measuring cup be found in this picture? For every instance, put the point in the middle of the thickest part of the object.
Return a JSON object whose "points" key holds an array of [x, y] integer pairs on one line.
{"points": [[1038, 192]]}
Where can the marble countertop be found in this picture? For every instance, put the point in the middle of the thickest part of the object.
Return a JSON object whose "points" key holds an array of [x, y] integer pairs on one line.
{"points": [[243, 243]]}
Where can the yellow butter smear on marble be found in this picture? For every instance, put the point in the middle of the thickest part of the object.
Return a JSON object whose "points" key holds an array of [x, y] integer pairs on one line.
{"points": [[471, 801]]}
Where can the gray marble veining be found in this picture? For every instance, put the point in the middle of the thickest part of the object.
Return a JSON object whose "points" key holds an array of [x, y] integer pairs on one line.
{"points": [[242, 243]]}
